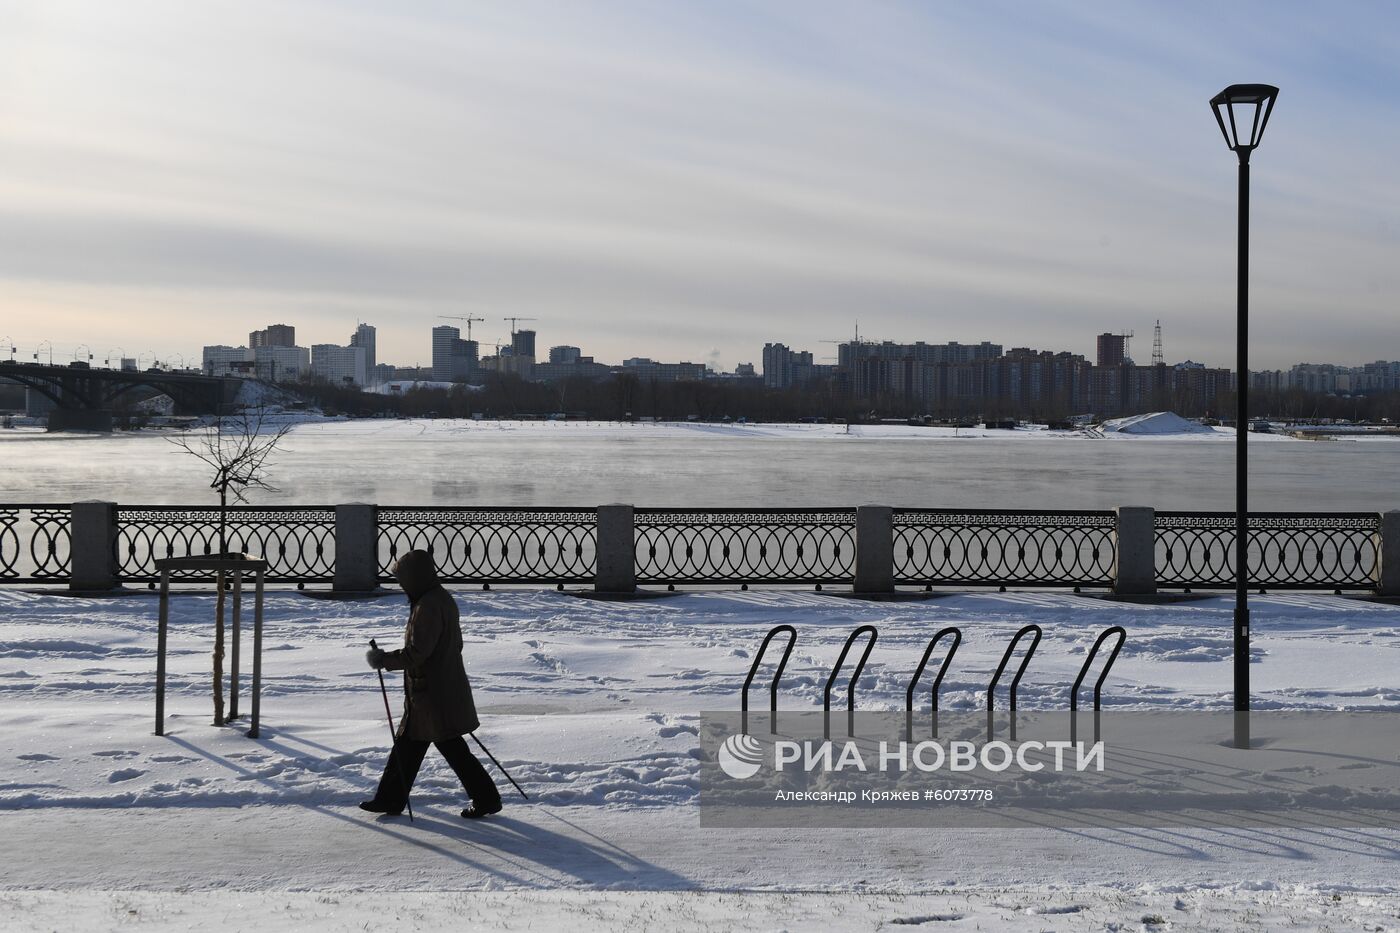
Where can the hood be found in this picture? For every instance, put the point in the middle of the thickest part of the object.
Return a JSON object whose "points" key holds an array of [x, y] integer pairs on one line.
{"points": [[416, 573]]}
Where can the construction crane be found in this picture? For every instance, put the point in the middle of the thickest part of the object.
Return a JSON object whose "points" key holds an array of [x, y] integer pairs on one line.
{"points": [[469, 320], [1158, 358], [512, 323], [857, 342]]}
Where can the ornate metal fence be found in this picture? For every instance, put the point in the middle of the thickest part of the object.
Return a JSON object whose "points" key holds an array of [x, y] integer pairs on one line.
{"points": [[298, 542], [745, 545], [1287, 550], [950, 547], [494, 545], [927, 547], [34, 543]]}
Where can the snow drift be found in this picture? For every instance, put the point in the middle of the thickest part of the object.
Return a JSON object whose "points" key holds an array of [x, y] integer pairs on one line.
{"points": [[1157, 422]]}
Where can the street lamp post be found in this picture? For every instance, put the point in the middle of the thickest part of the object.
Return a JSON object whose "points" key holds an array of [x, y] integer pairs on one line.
{"points": [[1242, 110]]}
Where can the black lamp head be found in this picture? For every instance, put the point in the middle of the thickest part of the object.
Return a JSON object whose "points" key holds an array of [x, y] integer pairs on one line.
{"points": [[1242, 110]]}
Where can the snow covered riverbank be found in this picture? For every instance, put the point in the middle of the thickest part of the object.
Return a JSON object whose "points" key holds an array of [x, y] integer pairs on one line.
{"points": [[593, 707]]}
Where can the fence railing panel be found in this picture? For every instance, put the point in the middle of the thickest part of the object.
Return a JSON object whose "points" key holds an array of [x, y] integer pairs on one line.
{"points": [[745, 545], [298, 542], [952, 547], [926, 547], [1297, 550], [494, 545], [34, 543]]}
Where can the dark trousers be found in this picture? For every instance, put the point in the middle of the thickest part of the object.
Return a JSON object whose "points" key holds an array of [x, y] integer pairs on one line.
{"points": [[407, 757]]}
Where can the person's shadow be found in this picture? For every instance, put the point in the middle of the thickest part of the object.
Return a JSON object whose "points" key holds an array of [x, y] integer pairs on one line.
{"points": [[516, 850]]}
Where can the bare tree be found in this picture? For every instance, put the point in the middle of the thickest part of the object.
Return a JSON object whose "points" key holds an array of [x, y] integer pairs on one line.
{"points": [[236, 449]]}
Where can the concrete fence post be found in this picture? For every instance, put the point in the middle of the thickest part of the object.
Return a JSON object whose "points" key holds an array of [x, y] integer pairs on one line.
{"points": [[874, 549], [356, 547], [1135, 565], [617, 550], [92, 548], [1388, 574]]}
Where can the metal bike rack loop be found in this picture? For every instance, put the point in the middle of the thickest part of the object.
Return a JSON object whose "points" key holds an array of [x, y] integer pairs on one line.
{"points": [[1015, 681], [777, 675], [937, 681], [851, 689], [1098, 685]]}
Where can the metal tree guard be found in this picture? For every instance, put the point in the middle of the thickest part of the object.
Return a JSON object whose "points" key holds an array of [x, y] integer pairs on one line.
{"points": [[237, 568]]}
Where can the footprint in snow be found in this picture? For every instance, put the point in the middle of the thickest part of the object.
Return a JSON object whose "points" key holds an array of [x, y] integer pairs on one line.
{"points": [[38, 756], [115, 753], [125, 774], [670, 728]]}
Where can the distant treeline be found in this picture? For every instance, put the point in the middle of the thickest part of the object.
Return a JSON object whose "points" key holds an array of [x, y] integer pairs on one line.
{"points": [[713, 400]]}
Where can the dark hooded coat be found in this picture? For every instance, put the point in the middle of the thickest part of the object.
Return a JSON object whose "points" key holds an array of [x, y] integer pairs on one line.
{"points": [[438, 703]]}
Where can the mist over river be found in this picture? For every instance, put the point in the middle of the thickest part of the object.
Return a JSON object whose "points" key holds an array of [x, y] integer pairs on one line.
{"points": [[442, 462]]}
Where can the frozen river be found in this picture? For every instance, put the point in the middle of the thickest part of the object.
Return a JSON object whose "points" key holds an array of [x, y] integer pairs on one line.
{"points": [[583, 464]]}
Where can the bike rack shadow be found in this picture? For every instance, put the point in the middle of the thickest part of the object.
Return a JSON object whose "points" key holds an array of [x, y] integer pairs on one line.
{"points": [[777, 675], [1015, 681], [1098, 685], [937, 681], [851, 689]]}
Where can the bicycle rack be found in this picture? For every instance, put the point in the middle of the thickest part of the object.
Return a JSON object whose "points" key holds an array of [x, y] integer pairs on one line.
{"points": [[777, 675], [1015, 681], [937, 681], [851, 689], [1098, 685]]}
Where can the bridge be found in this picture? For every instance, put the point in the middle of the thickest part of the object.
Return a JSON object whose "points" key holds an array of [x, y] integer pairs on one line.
{"points": [[84, 397]]}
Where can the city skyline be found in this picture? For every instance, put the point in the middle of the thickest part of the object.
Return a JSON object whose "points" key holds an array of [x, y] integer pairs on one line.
{"points": [[108, 355], [691, 182]]}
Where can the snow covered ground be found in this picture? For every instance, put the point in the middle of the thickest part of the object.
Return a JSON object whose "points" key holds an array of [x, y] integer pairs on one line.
{"points": [[593, 707]]}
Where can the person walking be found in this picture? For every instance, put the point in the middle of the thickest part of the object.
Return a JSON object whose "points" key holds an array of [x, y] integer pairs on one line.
{"points": [[438, 707]]}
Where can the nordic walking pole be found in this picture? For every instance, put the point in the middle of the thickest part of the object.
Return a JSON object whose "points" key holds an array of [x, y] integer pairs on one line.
{"points": [[384, 691], [498, 764]]}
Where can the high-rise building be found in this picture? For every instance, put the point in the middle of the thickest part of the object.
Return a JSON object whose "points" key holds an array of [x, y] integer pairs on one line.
{"points": [[445, 338], [273, 363], [777, 365], [1112, 350], [223, 361], [468, 356], [364, 337], [564, 354], [648, 370], [279, 363], [453, 357], [274, 335], [340, 365], [784, 367], [522, 343]]}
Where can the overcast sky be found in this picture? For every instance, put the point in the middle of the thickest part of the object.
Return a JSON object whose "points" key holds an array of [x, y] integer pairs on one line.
{"points": [[690, 180]]}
